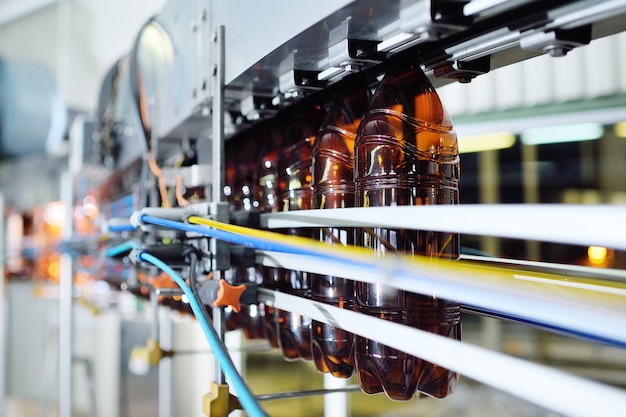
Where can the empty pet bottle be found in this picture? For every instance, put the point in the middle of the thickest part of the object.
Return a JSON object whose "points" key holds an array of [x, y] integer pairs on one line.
{"points": [[266, 191], [405, 154], [332, 168], [295, 194], [241, 158]]}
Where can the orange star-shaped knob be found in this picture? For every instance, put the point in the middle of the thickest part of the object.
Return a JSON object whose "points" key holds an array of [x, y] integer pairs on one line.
{"points": [[229, 295], [163, 280]]}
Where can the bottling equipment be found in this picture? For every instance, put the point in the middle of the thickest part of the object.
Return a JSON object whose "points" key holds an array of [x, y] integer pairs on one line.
{"points": [[210, 131]]}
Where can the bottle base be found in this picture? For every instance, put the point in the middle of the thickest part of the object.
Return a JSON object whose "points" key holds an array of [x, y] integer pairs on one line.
{"points": [[294, 332], [333, 350]]}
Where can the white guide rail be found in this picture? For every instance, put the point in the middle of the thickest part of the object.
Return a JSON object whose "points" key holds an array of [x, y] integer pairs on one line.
{"points": [[555, 390], [598, 225]]}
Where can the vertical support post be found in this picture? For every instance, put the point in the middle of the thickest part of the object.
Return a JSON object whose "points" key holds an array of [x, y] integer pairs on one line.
{"points": [[335, 405], [489, 193], [154, 306], [530, 181], [3, 309], [218, 117], [65, 302], [165, 366], [218, 161], [66, 284]]}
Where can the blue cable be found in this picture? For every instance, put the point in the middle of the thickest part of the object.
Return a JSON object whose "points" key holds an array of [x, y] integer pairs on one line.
{"points": [[248, 241], [259, 243], [120, 228], [121, 248], [246, 398]]}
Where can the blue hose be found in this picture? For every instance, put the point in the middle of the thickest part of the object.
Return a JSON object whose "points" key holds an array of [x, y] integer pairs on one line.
{"points": [[121, 248], [261, 244], [246, 398], [248, 241], [120, 228]]}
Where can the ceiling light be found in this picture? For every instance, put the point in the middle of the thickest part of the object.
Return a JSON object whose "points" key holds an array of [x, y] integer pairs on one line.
{"points": [[566, 133], [486, 142]]}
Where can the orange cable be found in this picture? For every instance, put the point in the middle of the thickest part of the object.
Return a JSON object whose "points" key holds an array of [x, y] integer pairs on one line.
{"points": [[156, 171], [180, 198]]}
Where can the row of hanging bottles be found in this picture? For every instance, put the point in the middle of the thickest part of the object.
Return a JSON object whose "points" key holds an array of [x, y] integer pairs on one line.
{"points": [[395, 147]]}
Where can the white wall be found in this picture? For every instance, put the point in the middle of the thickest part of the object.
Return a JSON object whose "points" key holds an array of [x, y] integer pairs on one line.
{"points": [[588, 72], [78, 40]]}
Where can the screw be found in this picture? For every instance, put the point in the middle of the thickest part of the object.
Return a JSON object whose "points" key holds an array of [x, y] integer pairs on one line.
{"points": [[557, 50]]}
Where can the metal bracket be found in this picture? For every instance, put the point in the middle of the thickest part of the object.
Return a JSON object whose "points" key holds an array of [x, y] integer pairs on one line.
{"points": [[347, 55], [423, 21], [558, 42], [255, 106], [463, 71], [299, 80], [433, 19]]}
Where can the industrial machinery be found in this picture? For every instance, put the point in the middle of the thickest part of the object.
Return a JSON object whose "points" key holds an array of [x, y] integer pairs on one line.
{"points": [[199, 172]]}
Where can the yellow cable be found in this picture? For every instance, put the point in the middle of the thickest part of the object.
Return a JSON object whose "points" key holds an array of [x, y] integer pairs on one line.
{"points": [[358, 253], [508, 276], [295, 241]]}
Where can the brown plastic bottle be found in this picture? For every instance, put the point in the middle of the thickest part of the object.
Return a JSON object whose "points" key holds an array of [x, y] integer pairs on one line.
{"points": [[266, 185], [332, 166], [241, 159], [294, 330], [406, 153], [236, 190]]}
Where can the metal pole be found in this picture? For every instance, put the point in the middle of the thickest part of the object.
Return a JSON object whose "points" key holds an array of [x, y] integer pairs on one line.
{"points": [[65, 303], [530, 181], [489, 193], [154, 306], [218, 163], [3, 308], [165, 399], [218, 117], [66, 284]]}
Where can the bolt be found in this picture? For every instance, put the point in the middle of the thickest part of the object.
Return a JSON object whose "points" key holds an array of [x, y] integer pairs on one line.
{"points": [[557, 50], [194, 93], [203, 15], [215, 36], [214, 69]]}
